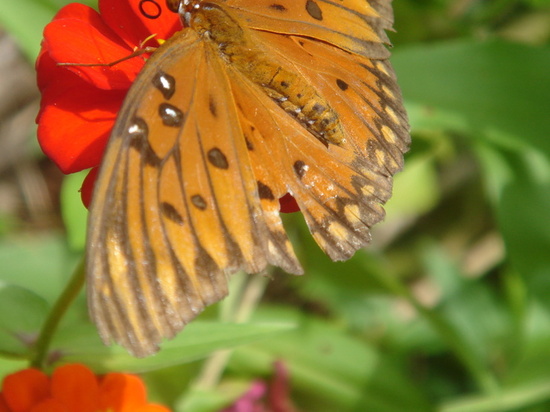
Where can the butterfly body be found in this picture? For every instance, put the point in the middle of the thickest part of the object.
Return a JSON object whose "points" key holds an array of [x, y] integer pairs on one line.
{"points": [[252, 100], [237, 46]]}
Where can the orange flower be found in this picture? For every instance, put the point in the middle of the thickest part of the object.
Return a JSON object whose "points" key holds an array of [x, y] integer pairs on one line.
{"points": [[74, 388]]}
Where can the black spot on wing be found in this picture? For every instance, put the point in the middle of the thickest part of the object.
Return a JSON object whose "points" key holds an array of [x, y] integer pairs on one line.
{"points": [[206, 268], [164, 83], [300, 168], [342, 84], [169, 211], [171, 116], [212, 106], [249, 144], [217, 158], [138, 133], [265, 192], [199, 202], [314, 10], [138, 129], [278, 7]]}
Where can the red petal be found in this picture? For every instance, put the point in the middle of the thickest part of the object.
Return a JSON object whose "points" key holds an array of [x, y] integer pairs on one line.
{"points": [[80, 36], [87, 188], [74, 128], [134, 21], [23, 389], [288, 204], [75, 386], [73, 10], [46, 69], [3, 404]]}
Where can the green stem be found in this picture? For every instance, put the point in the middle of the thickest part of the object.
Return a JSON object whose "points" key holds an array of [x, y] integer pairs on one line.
{"points": [[484, 379], [56, 314], [248, 296]]}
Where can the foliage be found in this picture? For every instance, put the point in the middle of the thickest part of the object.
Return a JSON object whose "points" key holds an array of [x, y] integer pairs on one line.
{"points": [[449, 308]]}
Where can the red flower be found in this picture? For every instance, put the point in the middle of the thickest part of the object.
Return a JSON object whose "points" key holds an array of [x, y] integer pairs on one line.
{"points": [[74, 388], [80, 104]]}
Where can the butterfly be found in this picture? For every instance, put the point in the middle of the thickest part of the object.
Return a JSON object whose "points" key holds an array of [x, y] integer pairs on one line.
{"points": [[252, 100]]}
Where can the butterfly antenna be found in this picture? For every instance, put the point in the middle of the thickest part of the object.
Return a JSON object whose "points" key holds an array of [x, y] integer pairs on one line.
{"points": [[138, 51]]}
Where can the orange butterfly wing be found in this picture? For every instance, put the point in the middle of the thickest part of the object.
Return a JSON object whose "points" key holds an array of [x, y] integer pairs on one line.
{"points": [[340, 188], [353, 25], [221, 123]]}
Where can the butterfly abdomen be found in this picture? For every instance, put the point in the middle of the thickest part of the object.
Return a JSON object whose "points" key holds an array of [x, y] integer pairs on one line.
{"points": [[291, 91]]}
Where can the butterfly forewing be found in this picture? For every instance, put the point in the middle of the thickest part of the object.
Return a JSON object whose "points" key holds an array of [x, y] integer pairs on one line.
{"points": [[276, 97], [353, 25]]}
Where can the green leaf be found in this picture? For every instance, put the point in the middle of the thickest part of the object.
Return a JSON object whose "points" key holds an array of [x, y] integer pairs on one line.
{"points": [[212, 400], [513, 399], [472, 308], [530, 365], [40, 263], [26, 19], [8, 366], [415, 190], [18, 332], [499, 92], [519, 178], [523, 216], [329, 368], [198, 340], [73, 211], [490, 85], [539, 3]]}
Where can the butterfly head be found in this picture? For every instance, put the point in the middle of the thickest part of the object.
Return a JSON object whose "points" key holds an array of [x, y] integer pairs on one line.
{"points": [[174, 5], [184, 8]]}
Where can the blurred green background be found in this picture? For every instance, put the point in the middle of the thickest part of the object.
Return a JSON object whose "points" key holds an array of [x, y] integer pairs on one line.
{"points": [[448, 309]]}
